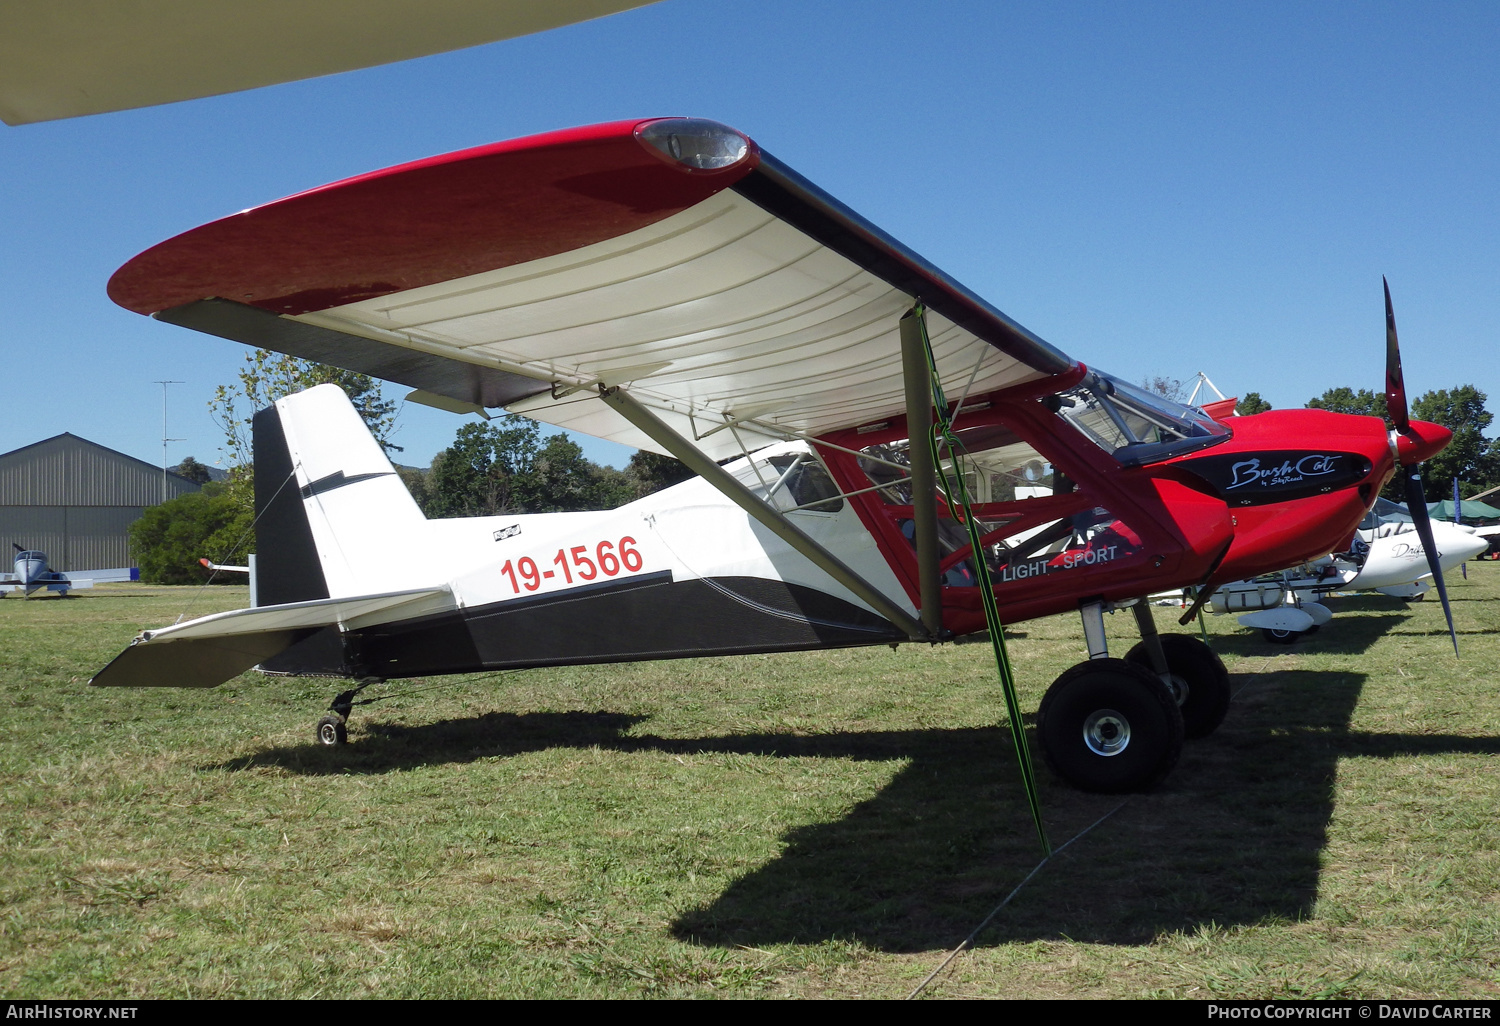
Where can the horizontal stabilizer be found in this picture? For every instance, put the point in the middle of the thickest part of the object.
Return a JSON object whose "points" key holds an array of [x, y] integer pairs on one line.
{"points": [[206, 652]]}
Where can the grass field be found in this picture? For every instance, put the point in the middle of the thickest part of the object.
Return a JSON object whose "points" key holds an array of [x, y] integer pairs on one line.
{"points": [[813, 825]]}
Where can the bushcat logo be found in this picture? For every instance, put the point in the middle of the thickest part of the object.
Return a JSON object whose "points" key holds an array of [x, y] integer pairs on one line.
{"points": [[1267, 476], [1249, 472]]}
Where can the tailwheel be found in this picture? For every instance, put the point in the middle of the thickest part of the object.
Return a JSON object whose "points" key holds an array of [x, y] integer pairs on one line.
{"points": [[1109, 726], [332, 731], [1199, 681]]}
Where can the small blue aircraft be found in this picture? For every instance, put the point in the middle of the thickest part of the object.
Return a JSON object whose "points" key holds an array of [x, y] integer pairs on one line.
{"points": [[32, 575]]}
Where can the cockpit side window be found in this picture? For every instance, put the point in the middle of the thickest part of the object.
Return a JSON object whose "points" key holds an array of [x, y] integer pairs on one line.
{"points": [[998, 466], [803, 484]]}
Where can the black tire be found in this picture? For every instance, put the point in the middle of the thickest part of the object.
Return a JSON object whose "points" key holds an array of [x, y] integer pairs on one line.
{"points": [[1199, 681], [1277, 637], [1084, 714], [332, 732]]}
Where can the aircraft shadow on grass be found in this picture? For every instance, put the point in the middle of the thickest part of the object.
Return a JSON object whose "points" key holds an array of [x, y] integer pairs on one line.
{"points": [[1232, 837]]}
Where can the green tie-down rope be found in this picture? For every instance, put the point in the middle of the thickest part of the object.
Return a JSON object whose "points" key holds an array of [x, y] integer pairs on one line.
{"points": [[958, 499]]}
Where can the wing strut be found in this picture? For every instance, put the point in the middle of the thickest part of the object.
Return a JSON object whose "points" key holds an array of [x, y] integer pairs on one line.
{"points": [[918, 379], [766, 514]]}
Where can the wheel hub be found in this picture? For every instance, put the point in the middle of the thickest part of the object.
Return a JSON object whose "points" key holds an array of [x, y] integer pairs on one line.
{"points": [[1106, 732], [1179, 686]]}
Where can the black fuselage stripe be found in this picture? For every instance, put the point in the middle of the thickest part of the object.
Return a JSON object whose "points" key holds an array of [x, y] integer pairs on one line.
{"points": [[628, 621]]}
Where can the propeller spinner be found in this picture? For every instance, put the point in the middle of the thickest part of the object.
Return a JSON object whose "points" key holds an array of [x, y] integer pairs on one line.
{"points": [[1413, 442]]}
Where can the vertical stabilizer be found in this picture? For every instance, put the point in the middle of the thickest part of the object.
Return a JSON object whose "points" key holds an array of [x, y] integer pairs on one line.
{"points": [[336, 520]]}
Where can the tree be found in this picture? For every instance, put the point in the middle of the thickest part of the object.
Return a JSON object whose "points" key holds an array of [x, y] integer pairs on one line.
{"points": [[1363, 403], [1170, 388], [1470, 457], [193, 471], [1251, 405], [506, 466], [268, 376], [562, 480], [170, 538], [476, 475], [651, 472], [415, 480]]}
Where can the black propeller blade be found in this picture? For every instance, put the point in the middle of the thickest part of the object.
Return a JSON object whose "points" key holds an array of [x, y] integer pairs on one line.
{"points": [[1416, 500], [1395, 384]]}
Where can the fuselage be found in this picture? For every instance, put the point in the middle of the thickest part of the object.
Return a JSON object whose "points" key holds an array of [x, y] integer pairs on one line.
{"points": [[1066, 520], [1397, 557]]}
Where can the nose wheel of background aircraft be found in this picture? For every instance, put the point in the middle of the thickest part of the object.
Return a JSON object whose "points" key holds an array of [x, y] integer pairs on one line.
{"points": [[1109, 726], [1199, 681]]}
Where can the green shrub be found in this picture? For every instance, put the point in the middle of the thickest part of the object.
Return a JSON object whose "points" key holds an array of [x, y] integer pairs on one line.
{"points": [[214, 523]]}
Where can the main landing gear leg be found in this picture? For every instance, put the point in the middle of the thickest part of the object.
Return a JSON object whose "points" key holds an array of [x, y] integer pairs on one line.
{"points": [[333, 728], [1093, 629]]}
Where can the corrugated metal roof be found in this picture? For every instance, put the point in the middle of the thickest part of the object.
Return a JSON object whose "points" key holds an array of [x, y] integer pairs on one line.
{"points": [[66, 470]]}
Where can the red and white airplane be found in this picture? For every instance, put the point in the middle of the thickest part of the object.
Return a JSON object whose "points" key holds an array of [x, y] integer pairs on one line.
{"points": [[882, 454]]}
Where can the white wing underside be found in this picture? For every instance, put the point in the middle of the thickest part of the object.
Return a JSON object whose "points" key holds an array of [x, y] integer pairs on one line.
{"points": [[720, 313]]}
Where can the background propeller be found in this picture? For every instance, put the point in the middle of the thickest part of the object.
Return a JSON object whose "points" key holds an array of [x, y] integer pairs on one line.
{"points": [[1416, 499]]}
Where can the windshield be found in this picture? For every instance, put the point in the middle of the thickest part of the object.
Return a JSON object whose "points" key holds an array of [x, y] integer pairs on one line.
{"points": [[1384, 512], [1134, 425]]}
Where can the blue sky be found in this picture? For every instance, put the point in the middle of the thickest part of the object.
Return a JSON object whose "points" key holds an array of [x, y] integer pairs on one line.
{"points": [[1155, 188]]}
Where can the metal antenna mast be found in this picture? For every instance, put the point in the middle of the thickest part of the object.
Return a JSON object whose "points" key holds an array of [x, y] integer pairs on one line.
{"points": [[164, 438]]}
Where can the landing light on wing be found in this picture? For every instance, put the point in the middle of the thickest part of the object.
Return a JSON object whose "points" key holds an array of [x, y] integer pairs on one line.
{"points": [[696, 143]]}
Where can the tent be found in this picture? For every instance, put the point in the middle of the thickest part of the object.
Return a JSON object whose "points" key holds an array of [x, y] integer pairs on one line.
{"points": [[1472, 509]]}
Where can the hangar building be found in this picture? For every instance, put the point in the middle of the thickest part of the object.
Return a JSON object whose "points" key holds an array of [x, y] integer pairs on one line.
{"points": [[75, 500]]}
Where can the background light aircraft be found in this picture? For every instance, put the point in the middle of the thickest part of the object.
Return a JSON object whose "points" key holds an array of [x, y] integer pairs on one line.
{"points": [[1395, 563], [1387, 555], [668, 284], [33, 575]]}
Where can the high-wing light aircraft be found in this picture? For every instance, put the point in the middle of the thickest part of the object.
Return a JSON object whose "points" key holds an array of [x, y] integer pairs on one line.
{"points": [[33, 575], [900, 460]]}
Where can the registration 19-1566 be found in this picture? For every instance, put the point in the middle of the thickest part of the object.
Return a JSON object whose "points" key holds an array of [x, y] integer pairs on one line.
{"points": [[606, 559]]}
